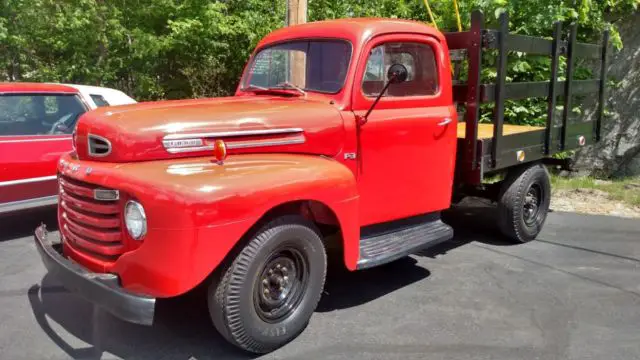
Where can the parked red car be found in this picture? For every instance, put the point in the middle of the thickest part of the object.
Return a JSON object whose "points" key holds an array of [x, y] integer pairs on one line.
{"points": [[36, 123]]}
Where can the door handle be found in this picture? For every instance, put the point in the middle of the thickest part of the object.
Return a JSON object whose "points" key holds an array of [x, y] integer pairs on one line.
{"points": [[444, 122]]}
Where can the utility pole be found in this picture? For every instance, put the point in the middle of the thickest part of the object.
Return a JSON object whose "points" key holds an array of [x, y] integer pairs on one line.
{"points": [[297, 14]]}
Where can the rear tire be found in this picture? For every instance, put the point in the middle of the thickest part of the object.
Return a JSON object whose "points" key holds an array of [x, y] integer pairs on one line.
{"points": [[523, 203], [266, 297]]}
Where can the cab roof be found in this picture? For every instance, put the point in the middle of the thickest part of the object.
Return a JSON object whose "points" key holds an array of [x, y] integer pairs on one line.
{"points": [[355, 30], [26, 87]]}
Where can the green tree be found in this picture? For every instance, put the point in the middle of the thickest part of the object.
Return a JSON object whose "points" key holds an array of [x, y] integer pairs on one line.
{"points": [[169, 49]]}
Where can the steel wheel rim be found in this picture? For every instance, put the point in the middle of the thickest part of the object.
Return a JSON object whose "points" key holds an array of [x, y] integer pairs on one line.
{"points": [[532, 203], [281, 284]]}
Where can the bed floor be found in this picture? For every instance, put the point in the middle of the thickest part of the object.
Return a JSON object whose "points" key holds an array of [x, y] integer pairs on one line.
{"points": [[485, 131]]}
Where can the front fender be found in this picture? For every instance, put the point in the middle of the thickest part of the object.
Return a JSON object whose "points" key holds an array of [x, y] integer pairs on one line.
{"points": [[203, 210]]}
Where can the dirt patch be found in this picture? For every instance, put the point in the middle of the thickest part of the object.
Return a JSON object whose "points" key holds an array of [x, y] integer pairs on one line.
{"points": [[591, 201]]}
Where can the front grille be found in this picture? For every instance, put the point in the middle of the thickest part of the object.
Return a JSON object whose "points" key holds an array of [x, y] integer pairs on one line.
{"points": [[90, 226], [98, 146]]}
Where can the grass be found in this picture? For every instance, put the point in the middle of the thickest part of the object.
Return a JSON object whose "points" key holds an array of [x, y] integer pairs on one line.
{"points": [[625, 190]]}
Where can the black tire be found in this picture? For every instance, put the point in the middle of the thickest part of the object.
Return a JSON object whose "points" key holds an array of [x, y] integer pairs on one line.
{"points": [[519, 218], [241, 298]]}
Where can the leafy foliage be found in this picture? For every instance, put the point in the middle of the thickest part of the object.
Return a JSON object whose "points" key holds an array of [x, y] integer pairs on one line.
{"points": [[157, 49]]}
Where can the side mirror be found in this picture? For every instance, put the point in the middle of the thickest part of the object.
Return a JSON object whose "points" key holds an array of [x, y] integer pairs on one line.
{"points": [[397, 73]]}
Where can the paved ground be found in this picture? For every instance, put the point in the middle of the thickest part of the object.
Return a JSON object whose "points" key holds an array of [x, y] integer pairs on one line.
{"points": [[574, 294]]}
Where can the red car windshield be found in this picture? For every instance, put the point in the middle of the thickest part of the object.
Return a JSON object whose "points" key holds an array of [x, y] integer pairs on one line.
{"points": [[39, 114], [309, 65]]}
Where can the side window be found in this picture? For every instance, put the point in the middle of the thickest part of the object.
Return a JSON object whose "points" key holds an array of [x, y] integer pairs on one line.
{"points": [[99, 100], [35, 114], [419, 60]]}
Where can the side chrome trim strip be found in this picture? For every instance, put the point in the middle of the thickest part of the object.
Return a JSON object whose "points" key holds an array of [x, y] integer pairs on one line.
{"points": [[28, 204], [27, 181], [250, 144], [189, 149], [240, 145], [221, 134]]}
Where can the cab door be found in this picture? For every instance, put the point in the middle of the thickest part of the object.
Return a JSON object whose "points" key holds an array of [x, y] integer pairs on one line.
{"points": [[407, 148]]}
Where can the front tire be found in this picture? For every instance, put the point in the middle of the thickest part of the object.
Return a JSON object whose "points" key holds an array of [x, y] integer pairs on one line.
{"points": [[266, 297], [523, 203]]}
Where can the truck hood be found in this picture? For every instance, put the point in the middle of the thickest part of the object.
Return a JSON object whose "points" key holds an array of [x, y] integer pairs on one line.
{"points": [[183, 128]]}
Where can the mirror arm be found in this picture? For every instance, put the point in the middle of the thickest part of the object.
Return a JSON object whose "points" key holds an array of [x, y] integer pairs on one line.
{"points": [[363, 119]]}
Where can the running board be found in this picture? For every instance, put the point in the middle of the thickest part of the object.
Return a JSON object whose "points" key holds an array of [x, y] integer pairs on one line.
{"points": [[383, 243]]}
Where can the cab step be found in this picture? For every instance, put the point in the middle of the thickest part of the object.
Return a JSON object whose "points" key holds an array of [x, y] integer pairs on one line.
{"points": [[383, 243]]}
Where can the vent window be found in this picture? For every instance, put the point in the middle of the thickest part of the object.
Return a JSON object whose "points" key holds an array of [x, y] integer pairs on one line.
{"points": [[99, 146]]}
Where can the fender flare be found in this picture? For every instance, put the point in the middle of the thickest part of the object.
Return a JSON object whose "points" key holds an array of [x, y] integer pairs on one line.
{"points": [[336, 190]]}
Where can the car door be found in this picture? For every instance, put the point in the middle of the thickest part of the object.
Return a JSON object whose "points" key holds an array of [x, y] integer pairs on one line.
{"points": [[35, 130], [407, 147]]}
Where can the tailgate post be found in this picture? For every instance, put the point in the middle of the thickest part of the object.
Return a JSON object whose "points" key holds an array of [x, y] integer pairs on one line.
{"points": [[498, 113], [555, 56]]}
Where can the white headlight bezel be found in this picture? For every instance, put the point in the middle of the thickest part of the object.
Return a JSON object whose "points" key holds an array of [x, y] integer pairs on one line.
{"points": [[138, 207]]}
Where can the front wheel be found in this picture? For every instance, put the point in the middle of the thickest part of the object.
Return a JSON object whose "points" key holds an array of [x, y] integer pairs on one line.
{"points": [[523, 203], [266, 297]]}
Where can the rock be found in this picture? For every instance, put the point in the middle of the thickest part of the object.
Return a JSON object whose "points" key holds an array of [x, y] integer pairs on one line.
{"points": [[631, 186], [618, 153], [602, 182], [592, 194]]}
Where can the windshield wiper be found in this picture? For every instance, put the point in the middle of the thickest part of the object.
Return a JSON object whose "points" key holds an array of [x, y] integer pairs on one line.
{"points": [[282, 86], [255, 87], [288, 85]]}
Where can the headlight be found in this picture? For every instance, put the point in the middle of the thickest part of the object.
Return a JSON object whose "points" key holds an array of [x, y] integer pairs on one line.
{"points": [[135, 219]]}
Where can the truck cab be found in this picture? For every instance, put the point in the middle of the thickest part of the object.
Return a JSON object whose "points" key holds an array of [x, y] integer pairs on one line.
{"points": [[409, 139], [340, 141]]}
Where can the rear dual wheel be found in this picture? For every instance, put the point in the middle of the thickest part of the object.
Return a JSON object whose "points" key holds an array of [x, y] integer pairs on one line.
{"points": [[524, 202], [266, 297]]}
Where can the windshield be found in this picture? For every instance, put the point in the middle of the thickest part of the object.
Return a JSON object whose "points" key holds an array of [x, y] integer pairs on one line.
{"points": [[39, 114], [310, 65]]}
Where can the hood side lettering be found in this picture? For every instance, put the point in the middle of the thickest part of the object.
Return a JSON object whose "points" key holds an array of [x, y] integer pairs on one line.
{"points": [[184, 143]]}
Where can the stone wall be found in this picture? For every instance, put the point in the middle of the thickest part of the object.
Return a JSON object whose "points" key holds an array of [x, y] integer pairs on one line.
{"points": [[618, 154]]}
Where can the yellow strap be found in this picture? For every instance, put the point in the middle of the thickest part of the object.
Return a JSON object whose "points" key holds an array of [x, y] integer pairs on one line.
{"points": [[433, 21], [455, 5]]}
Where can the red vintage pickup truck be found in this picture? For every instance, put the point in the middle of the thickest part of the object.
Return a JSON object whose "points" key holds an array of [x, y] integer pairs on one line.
{"points": [[343, 139]]}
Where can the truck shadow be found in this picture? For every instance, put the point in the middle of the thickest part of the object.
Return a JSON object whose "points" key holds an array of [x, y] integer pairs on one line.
{"points": [[475, 222], [24, 223], [183, 330], [345, 289]]}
